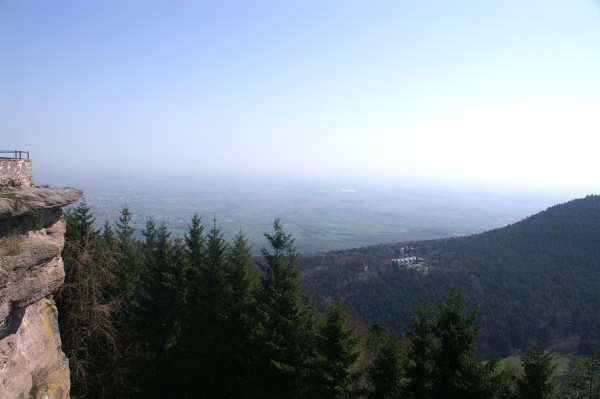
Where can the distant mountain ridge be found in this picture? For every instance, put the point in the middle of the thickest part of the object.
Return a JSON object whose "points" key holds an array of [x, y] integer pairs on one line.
{"points": [[537, 279]]}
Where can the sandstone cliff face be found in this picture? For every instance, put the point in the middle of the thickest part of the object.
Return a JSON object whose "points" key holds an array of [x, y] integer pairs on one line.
{"points": [[32, 364]]}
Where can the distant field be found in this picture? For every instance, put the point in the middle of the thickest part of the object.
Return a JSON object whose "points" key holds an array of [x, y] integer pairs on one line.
{"points": [[322, 216], [561, 362]]}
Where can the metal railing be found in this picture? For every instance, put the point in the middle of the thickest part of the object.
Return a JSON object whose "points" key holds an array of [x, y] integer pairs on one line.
{"points": [[17, 154]]}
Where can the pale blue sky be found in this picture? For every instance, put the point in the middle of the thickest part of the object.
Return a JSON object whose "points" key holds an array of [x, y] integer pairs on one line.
{"points": [[498, 91]]}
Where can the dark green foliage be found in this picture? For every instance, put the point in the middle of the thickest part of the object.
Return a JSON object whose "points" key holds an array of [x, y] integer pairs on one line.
{"points": [[130, 261], [500, 384], [457, 374], [440, 358], [159, 304], [244, 277], [537, 381], [535, 280], [285, 330], [88, 309], [172, 317], [583, 380], [441, 353], [388, 367], [195, 242], [81, 226], [422, 352], [212, 308], [124, 230], [242, 322], [335, 355], [109, 235], [192, 317]]}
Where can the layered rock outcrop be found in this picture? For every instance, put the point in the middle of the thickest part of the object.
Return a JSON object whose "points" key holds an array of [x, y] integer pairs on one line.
{"points": [[32, 364]]}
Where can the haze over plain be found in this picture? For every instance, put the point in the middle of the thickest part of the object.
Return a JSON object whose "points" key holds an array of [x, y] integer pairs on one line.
{"points": [[503, 92], [500, 98]]}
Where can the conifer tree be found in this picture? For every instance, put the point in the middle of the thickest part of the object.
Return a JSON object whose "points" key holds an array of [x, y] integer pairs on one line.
{"points": [[244, 277], [150, 242], [82, 223], [108, 235], [124, 230], [147, 280], [163, 273], [131, 295], [211, 301], [422, 351], [286, 336], [536, 382], [190, 351], [163, 316], [195, 243], [335, 355], [387, 368], [195, 248], [179, 281], [242, 322], [130, 261], [87, 309], [457, 374], [217, 291]]}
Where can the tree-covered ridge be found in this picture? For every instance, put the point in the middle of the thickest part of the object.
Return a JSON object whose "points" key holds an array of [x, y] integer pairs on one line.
{"points": [[195, 316], [535, 280]]}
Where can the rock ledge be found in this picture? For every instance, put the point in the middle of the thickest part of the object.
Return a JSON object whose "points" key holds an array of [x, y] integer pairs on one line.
{"points": [[32, 227]]}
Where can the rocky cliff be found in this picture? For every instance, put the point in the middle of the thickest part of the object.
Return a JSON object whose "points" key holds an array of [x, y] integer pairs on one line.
{"points": [[32, 364]]}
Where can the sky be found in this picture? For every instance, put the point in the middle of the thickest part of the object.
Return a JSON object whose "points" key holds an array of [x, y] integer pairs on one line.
{"points": [[485, 92]]}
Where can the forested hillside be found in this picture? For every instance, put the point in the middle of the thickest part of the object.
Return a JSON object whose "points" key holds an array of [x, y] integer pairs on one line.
{"points": [[535, 280], [196, 316]]}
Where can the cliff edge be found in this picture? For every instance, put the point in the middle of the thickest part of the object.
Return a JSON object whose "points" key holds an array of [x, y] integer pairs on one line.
{"points": [[32, 227]]}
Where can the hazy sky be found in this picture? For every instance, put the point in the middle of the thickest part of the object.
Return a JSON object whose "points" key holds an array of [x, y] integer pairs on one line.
{"points": [[501, 91]]}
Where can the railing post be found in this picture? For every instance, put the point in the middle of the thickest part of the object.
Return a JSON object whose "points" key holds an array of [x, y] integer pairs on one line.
{"points": [[17, 154]]}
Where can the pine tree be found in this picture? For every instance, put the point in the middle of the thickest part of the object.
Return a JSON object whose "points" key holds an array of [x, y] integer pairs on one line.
{"points": [[242, 322], [192, 317], [244, 277], [335, 355], [387, 368], [457, 375], [82, 223], [108, 235], [87, 309], [124, 230], [150, 242], [131, 295], [422, 352], [285, 333], [195, 250], [537, 381], [205, 337], [195, 243], [130, 261], [163, 290]]}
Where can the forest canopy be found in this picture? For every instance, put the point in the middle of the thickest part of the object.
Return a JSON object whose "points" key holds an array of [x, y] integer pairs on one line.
{"points": [[169, 316]]}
